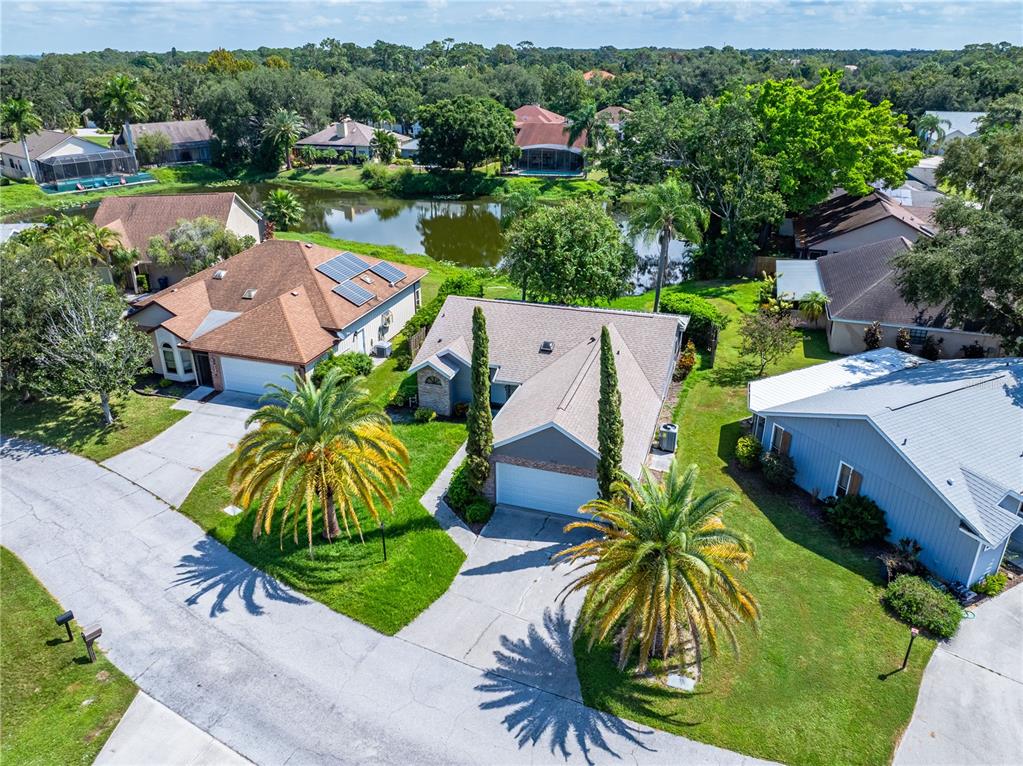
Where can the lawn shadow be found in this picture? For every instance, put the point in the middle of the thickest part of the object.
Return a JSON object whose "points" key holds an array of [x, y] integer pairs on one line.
{"points": [[732, 375], [525, 670], [71, 424], [815, 345], [215, 569]]}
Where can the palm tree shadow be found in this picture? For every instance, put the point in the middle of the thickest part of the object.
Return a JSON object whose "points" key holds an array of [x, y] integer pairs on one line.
{"points": [[535, 678], [214, 569]]}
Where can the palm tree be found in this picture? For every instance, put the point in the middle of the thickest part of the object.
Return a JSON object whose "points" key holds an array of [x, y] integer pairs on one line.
{"points": [[283, 209], [384, 145], [663, 570], [124, 101], [329, 445], [583, 120], [813, 305], [20, 119], [282, 131], [669, 211], [931, 129]]}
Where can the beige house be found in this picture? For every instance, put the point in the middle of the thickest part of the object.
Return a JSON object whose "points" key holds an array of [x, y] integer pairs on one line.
{"points": [[844, 222], [346, 136]]}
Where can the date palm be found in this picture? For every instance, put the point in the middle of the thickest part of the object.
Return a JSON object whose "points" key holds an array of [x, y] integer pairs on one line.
{"points": [[124, 101], [328, 446], [384, 145], [20, 120], [662, 569], [282, 132], [668, 211], [283, 209]]}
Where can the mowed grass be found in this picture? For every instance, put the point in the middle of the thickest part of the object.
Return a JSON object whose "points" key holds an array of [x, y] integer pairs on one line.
{"points": [[55, 708], [807, 690], [350, 576], [77, 425]]}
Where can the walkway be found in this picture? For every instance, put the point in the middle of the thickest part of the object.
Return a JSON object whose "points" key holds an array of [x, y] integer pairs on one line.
{"points": [[970, 709], [274, 676], [169, 464]]}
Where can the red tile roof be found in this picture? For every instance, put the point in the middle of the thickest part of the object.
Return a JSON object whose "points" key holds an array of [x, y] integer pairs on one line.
{"points": [[551, 134], [535, 113]]}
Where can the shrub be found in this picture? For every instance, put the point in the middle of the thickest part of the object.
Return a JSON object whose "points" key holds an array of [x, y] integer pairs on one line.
{"points": [[686, 362], [873, 336], [932, 348], [424, 415], [460, 410], [779, 470], [478, 511], [903, 342], [991, 585], [974, 351], [408, 391], [921, 605], [165, 383], [350, 363], [748, 450], [703, 315], [404, 162], [460, 490], [857, 520]]}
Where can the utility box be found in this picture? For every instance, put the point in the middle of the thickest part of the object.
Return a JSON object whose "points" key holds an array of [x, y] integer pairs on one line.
{"points": [[668, 437], [382, 349]]}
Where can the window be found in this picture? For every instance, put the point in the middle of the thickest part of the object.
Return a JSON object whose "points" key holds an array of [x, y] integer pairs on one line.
{"points": [[848, 481], [780, 440], [186, 362], [917, 334], [170, 365], [759, 421], [431, 380]]}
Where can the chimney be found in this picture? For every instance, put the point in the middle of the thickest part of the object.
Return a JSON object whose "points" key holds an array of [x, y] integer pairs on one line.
{"points": [[341, 128]]}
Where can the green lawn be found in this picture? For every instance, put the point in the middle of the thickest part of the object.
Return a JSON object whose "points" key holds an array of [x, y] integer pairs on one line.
{"points": [[102, 140], [807, 690], [348, 576], [77, 425], [54, 706]]}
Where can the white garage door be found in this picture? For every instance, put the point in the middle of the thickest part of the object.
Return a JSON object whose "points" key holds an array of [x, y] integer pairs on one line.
{"points": [[252, 377], [543, 490]]}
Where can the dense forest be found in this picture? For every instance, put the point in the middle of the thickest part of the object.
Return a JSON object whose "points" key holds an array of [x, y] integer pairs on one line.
{"points": [[391, 82]]}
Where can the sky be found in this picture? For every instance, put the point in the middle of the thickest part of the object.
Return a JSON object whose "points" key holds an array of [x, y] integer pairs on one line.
{"points": [[61, 26]]}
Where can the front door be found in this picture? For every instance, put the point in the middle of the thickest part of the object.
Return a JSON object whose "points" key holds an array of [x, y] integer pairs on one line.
{"points": [[203, 373]]}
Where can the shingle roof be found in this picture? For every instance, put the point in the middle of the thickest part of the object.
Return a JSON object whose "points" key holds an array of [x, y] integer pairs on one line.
{"points": [[178, 131], [843, 213], [602, 74], [964, 122], [38, 143], [958, 422], [531, 113], [358, 134], [613, 113]]}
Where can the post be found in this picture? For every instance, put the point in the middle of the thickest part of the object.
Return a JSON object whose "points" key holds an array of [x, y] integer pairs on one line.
{"points": [[65, 620], [89, 636], [383, 537], [913, 633]]}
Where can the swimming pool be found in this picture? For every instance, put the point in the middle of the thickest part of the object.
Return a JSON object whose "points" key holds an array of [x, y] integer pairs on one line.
{"points": [[96, 182]]}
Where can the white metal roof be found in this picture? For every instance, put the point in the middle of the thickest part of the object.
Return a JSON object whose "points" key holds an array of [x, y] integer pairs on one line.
{"points": [[796, 278]]}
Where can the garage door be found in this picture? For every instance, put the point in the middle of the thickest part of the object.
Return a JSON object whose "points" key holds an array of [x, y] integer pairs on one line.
{"points": [[543, 490], [252, 377]]}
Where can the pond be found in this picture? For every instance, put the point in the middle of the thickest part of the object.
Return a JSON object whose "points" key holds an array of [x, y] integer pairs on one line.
{"points": [[464, 232]]}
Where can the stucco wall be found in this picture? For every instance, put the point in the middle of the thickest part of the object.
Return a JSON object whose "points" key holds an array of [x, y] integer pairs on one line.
{"points": [[161, 336], [845, 337], [242, 223], [887, 228]]}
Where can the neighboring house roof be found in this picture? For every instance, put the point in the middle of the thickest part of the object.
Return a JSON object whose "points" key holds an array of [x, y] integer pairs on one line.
{"points": [[796, 278], [613, 114], [816, 379], [137, 219], [8, 230], [843, 213], [293, 315], [40, 143], [345, 134], [536, 113], [560, 389], [601, 74], [959, 423], [178, 131], [555, 135], [962, 122], [924, 175]]}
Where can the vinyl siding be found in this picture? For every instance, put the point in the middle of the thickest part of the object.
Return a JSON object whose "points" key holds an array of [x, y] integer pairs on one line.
{"points": [[549, 446], [362, 334]]}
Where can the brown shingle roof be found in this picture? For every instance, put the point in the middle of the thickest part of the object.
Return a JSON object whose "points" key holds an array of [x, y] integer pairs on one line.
{"points": [[843, 212]]}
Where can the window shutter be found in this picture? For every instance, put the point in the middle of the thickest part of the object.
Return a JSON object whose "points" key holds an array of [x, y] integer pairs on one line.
{"points": [[854, 483], [786, 440]]}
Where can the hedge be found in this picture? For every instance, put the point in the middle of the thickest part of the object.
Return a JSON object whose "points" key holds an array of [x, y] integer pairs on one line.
{"points": [[921, 605]]}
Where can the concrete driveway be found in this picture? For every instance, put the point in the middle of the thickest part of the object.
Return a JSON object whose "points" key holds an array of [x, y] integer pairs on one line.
{"points": [[970, 709], [170, 464]]}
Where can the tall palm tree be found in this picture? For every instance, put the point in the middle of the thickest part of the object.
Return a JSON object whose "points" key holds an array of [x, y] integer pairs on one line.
{"points": [[384, 145], [20, 119], [283, 209], [662, 569], [124, 101], [931, 129], [669, 211], [813, 305], [282, 131], [328, 445], [583, 120]]}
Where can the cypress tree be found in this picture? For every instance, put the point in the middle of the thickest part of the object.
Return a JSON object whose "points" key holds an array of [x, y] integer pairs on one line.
{"points": [[479, 424], [609, 419]]}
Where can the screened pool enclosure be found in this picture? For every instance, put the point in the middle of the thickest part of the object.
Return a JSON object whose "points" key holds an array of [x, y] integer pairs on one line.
{"points": [[71, 167]]}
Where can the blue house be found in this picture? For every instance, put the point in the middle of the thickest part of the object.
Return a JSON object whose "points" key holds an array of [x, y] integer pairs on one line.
{"points": [[937, 445]]}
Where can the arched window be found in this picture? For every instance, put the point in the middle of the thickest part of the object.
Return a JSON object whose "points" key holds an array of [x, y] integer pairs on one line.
{"points": [[432, 380], [170, 365]]}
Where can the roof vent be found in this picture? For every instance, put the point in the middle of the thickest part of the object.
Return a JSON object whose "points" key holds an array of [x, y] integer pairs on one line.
{"points": [[294, 292], [307, 245], [249, 294], [547, 347], [367, 280], [220, 273]]}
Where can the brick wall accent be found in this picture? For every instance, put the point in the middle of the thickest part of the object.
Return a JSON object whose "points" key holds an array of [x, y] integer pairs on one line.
{"points": [[218, 375], [490, 486], [436, 397]]}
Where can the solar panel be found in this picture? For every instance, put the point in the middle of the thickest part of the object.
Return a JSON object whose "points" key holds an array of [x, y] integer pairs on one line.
{"points": [[343, 266], [387, 271], [353, 293]]}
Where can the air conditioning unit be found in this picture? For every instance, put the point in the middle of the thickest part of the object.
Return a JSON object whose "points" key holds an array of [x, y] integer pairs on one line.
{"points": [[382, 349]]}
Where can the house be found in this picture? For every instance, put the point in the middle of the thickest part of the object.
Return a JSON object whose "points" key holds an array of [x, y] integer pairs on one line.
{"points": [[348, 137], [191, 140], [272, 310], [542, 136], [62, 159], [136, 220], [545, 377], [861, 289], [958, 124], [613, 116], [937, 445], [844, 221]]}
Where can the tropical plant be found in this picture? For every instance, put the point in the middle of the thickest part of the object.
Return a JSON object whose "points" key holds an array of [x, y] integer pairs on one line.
{"points": [[662, 569], [903, 340], [151, 147], [384, 145], [124, 101], [748, 451], [19, 119], [350, 363], [813, 305], [583, 121], [686, 362], [283, 209], [479, 422], [873, 336], [610, 429], [857, 520], [669, 211], [921, 605], [329, 446], [932, 348], [778, 469], [931, 129], [280, 133], [991, 585]]}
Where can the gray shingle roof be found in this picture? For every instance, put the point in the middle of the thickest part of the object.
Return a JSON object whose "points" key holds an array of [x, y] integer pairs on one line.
{"points": [[178, 131], [38, 143], [842, 213], [356, 134], [964, 122]]}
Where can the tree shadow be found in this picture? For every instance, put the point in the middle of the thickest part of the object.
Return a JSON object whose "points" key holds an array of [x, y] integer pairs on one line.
{"points": [[215, 569], [17, 450], [535, 679], [815, 345], [732, 375], [530, 559]]}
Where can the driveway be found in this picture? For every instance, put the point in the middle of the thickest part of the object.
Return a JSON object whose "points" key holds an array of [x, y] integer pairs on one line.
{"points": [[970, 709], [274, 676], [169, 464]]}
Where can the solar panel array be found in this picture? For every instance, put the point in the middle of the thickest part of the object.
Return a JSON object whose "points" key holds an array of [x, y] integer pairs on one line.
{"points": [[386, 271], [352, 293], [342, 267]]}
